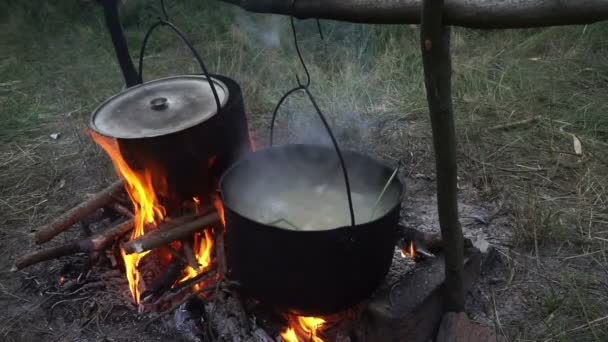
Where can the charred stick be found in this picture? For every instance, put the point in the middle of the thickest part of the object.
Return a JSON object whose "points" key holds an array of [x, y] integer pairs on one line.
{"points": [[176, 255], [189, 254], [219, 250], [163, 236], [184, 287], [164, 282], [210, 272], [120, 209], [87, 245], [47, 232]]}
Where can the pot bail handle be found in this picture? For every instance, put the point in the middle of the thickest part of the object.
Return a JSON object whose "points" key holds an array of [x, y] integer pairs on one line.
{"points": [[304, 87], [197, 56]]}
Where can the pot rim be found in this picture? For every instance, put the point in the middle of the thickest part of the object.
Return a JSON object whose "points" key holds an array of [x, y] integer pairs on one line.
{"points": [[92, 125], [397, 203]]}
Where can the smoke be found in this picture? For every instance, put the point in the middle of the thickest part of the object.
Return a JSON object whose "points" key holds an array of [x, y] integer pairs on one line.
{"points": [[265, 29]]}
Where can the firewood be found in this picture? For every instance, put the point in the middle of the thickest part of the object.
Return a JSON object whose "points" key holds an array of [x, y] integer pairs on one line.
{"points": [[165, 281], [161, 237], [120, 209], [220, 251], [95, 243], [47, 232], [189, 255]]}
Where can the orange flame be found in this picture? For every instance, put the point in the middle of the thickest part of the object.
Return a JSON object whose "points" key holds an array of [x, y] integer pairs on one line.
{"points": [[289, 335], [219, 206], [412, 249], [148, 210], [306, 326], [203, 247], [409, 251]]}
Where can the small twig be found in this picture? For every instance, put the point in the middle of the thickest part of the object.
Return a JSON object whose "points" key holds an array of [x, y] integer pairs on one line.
{"points": [[514, 124], [390, 180], [286, 221], [208, 273]]}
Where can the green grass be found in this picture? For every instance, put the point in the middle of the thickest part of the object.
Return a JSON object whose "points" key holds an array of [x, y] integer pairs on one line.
{"points": [[57, 64]]}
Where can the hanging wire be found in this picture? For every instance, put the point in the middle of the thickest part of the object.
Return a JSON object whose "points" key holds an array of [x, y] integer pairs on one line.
{"points": [[164, 10], [197, 56], [305, 87], [319, 28]]}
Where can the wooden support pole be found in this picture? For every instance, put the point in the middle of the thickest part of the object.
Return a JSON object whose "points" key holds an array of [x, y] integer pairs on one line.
{"points": [[479, 14], [435, 46], [110, 11]]}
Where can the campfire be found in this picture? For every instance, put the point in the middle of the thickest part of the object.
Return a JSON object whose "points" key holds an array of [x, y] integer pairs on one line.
{"points": [[149, 213]]}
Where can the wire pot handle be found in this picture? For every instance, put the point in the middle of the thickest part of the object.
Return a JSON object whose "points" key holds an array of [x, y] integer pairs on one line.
{"points": [[334, 142], [197, 56]]}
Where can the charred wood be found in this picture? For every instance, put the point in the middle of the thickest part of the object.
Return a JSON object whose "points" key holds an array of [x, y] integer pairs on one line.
{"points": [[120, 209], [165, 281], [47, 232], [220, 251]]}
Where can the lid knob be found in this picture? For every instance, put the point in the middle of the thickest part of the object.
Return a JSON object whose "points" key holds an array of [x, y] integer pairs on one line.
{"points": [[159, 103]]}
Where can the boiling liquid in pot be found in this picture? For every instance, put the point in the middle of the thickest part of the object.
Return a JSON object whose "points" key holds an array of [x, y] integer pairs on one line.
{"points": [[319, 207]]}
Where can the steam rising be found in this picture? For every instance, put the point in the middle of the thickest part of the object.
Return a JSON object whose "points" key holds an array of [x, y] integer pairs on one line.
{"points": [[301, 187], [264, 28]]}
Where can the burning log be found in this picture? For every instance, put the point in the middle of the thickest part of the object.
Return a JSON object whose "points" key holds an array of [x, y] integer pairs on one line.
{"points": [[87, 245], [220, 252], [165, 281], [47, 232], [189, 254], [161, 237]]}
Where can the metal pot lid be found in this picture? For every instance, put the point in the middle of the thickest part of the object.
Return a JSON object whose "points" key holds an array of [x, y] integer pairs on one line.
{"points": [[158, 107]]}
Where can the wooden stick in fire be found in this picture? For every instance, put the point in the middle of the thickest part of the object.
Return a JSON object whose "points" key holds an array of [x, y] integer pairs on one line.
{"points": [[47, 232], [91, 244], [219, 250], [161, 237]]}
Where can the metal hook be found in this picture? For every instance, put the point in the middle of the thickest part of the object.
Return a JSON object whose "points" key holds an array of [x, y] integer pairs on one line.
{"points": [[297, 46], [319, 28], [164, 10]]}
